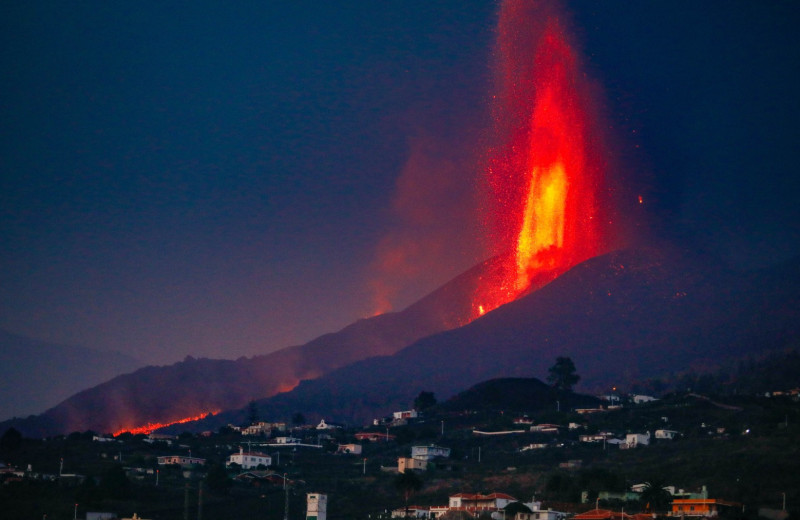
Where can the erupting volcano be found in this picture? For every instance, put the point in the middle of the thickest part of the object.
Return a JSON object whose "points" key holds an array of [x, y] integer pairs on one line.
{"points": [[547, 175], [546, 172]]}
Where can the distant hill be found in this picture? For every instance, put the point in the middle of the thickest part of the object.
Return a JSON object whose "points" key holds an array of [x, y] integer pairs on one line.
{"points": [[627, 315], [519, 394], [45, 374]]}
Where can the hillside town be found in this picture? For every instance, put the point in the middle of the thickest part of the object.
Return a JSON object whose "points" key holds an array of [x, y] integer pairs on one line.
{"points": [[626, 457]]}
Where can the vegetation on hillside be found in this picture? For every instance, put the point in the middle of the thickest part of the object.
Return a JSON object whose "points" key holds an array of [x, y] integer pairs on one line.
{"points": [[742, 447]]}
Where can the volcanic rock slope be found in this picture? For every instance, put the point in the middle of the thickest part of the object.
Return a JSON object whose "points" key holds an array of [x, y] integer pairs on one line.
{"points": [[629, 314], [158, 395]]}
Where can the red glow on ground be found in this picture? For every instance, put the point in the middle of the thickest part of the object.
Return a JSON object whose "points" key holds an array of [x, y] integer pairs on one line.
{"points": [[288, 387], [151, 427], [547, 173]]}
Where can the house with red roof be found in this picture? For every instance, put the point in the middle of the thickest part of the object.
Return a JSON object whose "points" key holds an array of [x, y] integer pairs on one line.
{"points": [[479, 502], [700, 507]]}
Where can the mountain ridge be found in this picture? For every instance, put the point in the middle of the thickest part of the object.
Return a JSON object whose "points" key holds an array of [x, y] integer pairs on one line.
{"points": [[620, 316], [200, 386]]}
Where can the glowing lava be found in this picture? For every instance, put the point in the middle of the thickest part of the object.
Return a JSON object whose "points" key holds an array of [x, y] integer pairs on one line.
{"points": [[548, 173], [151, 427]]}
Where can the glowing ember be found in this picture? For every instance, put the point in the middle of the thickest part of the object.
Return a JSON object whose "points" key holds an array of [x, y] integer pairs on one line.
{"points": [[151, 427], [548, 172]]}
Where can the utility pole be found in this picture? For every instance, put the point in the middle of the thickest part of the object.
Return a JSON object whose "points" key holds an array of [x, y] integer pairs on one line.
{"points": [[200, 500], [286, 500], [186, 502]]}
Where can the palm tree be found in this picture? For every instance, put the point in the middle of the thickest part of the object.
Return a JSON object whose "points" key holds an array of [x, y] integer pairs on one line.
{"points": [[654, 497]]}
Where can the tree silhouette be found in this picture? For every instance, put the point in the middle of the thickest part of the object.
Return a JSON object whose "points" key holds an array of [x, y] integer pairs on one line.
{"points": [[11, 440], [562, 375], [407, 483], [115, 483], [424, 401], [252, 412], [217, 479], [654, 498]]}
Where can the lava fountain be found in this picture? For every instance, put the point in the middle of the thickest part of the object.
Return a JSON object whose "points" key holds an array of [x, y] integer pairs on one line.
{"points": [[547, 174]]}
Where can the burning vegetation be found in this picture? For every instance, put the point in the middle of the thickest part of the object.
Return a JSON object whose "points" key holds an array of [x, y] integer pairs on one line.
{"points": [[153, 426]]}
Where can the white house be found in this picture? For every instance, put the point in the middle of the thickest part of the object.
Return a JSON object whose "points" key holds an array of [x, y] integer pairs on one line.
{"points": [[316, 506], [327, 426], [263, 428], [248, 460], [406, 463], [406, 414], [412, 512], [354, 449], [639, 398], [537, 513], [545, 428], [633, 440], [478, 502], [666, 434], [429, 452], [286, 440], [181, 460], [596, 437]]}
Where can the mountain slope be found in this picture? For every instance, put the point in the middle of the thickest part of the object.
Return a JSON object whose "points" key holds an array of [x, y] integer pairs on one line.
{"points": [[628, 314], [192, 387]]}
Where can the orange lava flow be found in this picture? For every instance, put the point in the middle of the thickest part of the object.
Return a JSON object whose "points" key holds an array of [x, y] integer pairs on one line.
{"points": [[548, 172], [151, 427]]}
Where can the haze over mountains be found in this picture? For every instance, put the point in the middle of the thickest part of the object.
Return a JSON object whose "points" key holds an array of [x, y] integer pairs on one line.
{"points": [[192, 387], [44, 374], [630, 314]]}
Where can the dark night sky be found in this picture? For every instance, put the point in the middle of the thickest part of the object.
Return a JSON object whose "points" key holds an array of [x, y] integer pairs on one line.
{"points": [[224, 180]]}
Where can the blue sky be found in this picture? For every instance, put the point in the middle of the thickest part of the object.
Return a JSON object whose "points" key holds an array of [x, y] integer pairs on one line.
{"points": [[217, 180]]}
